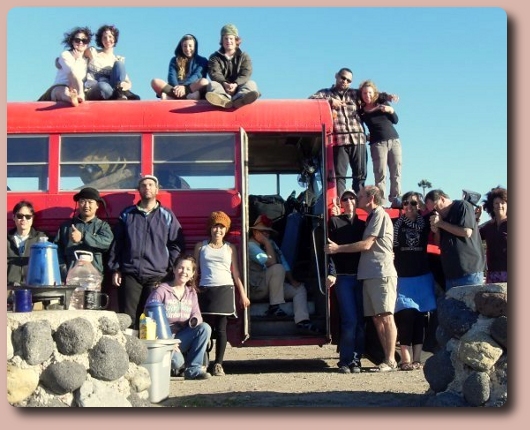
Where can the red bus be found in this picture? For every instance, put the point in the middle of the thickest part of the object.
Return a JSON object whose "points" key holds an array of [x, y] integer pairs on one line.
{"points": [[206, 159]]}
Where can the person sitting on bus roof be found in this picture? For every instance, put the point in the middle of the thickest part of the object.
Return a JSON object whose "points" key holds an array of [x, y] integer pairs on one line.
{"points": [[268, 272], [230, 70], [219, 276], [68, 84], [186, 76], [107, 78], [84, 232]]}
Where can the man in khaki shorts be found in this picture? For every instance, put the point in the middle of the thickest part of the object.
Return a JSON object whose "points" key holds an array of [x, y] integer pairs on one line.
{"points": [[376, 269]]}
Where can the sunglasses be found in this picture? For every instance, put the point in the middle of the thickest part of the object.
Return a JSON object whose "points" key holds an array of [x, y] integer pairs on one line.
{"points": [[20, 216], [412, 203], [79, 40], [344, 78], [345, 199]]}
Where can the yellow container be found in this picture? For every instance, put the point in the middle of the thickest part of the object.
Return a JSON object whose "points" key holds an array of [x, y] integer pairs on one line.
{"points": [[147, 328]]}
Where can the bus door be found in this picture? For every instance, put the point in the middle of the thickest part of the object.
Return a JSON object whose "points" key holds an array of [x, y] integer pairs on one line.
{"points": [[243, 244]]}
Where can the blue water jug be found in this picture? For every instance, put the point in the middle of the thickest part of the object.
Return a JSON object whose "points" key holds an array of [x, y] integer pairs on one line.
{"points": [[43, 266], [157, 311]]}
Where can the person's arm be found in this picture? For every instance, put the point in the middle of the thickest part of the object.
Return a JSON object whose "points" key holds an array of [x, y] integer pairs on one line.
{"points": [[215, 70], [266, 258], [175, 240], [172, 78], [195, 315], [245, 302], [438, 222], [245, 70], [197, 72], [360, 246], [101, 239]]}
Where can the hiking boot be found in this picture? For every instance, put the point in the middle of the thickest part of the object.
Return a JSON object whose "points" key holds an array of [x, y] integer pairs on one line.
{"points": [[387, 366], [245, 99], [218, 100], [217, 370], [344, 369]]}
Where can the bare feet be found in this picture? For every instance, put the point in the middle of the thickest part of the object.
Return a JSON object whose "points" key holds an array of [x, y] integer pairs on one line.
{"points": [[163, 96], [74, 99]]}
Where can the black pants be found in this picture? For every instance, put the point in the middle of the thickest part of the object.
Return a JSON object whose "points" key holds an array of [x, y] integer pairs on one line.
{"points": [[410, 325], [354, 156], [132, 295]]}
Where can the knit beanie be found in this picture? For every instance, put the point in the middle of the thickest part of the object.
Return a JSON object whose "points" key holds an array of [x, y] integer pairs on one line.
{"points": [[219, 217], [229, 29]]}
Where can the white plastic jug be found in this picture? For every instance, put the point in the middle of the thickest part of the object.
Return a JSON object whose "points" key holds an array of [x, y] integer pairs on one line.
{"points": [[83, 275]]}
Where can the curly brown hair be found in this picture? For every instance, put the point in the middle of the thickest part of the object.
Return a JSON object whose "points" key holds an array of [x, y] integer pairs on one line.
{"points": [[497, 192]]}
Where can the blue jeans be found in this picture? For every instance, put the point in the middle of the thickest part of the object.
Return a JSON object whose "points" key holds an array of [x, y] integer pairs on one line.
{"points": [[349, 293], [193, 344], [105, 88], [471, 279]]}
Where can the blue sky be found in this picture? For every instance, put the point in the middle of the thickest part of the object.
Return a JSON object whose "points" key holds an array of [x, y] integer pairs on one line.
{"points": [[448, 65]]}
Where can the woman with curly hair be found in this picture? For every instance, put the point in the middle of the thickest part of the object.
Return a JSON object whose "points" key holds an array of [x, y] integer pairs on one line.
{"points": [[106, 77], [495, 234], [186, 77], [72, 69]]}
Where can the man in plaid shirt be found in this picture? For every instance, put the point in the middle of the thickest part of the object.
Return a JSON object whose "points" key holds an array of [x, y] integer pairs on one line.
{"points": [[349, 139]]}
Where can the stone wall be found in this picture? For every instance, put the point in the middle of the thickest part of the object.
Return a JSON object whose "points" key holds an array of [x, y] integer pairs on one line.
{"points": [[471, 366], [74, 359]]}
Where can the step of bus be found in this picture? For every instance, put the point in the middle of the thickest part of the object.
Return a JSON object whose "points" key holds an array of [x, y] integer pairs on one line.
{"points": [[280, 328], [259, 309]]}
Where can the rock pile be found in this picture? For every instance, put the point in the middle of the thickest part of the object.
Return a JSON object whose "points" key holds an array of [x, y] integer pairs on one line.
{"points": [[471, 367], [74, 359]]}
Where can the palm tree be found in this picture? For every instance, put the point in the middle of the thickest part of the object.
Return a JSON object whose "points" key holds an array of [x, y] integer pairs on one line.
{"points": [[423, 184]]}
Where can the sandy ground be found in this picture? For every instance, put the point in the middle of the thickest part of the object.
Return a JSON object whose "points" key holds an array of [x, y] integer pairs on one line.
{"points": [[297, 376]]}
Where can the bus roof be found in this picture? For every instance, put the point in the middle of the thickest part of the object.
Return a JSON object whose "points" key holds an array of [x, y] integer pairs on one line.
{"points": [[167, 116]]}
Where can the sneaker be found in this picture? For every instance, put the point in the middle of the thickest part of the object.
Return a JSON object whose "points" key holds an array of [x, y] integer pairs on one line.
{"points": [[218, 100], [198, 377], [344, 369], [306, 327], [245, 99], [217, 370], [355, 368], [387, 366], [275, 311]]}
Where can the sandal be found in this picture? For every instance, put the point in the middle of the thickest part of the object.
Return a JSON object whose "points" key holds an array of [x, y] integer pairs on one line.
{"points": [[406, 366], [417, 365]]}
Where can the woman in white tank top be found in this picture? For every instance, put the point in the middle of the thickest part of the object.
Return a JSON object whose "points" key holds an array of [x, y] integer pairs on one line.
{"points": [[219, 274]]}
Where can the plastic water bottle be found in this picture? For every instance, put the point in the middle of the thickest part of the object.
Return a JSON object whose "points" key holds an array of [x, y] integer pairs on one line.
{"points": [[83, 275]]}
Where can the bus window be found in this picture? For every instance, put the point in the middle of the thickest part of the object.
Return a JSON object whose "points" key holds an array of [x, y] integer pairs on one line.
{"points": [[196, 161], [104, 162], [27, 163]]}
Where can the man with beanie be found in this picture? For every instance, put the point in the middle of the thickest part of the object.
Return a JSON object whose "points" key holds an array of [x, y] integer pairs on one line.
{"points": [[148, 240], [230, 70], [84, 232]]}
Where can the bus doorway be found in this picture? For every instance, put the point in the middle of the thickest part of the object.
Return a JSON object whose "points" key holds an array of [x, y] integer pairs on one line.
{"points": [[285, 183]]}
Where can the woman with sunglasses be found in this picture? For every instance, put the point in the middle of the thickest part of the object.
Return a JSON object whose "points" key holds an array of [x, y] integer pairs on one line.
{"points": [[107, 77], [415, 286], [19, 241], [71, 69]]}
